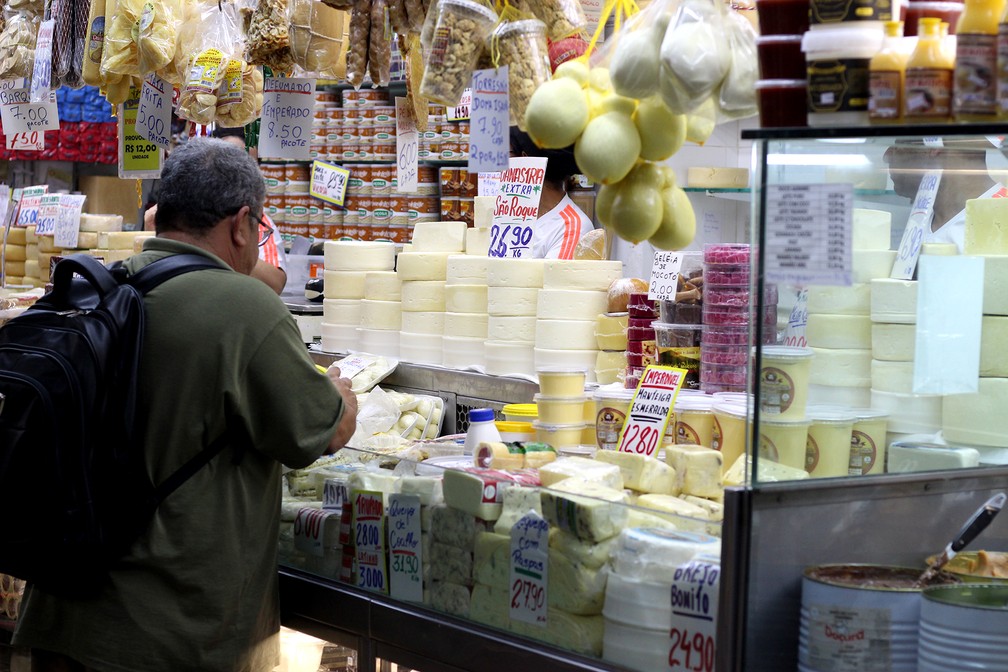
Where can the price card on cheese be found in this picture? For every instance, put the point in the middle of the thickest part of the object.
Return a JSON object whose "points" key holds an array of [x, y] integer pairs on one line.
{"points": [[808, 233], [407, 144], [665, 275], [328, 182], [918, 226], [405, 550], [529, 572], [287, 113], [650, 409], [489, 139], [310, 530], [516, 207], [368, 534], [28, 206], [461, 111], [20, 115], [695, 590], [153, 120], [68, 223], [48, 215]]}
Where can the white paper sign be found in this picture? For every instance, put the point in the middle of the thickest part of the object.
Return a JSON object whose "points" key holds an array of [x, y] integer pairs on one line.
{"points": [[695, 589], [407, 143], [651, 410], [529, 572], [42, 68], [369, 540], [665, 275], [918, 224], [405, 550], [68, 224], [153, 120], [309, 530], [517, 207], [20, 115], [287, 113], [335, 493], [28, 206], [48, 215], [808, 234], [461, 111], [794, 335], [328, 182], [488, 184], [29, 141], [489, 140]]}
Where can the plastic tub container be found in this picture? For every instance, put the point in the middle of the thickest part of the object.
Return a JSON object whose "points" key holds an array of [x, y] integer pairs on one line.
{"points": [[783, 381], [462, 28], [694, 420], [612, 404], [729, 432], [560, 410], [515, 431], [520, 412], [837, 64], [567, 435], [725, 335], [828, 448], [784, 441], [730, 275], [780, 57], [783, 103], [725, 355], [725, 375], [558, 382], [868, 442], [727, 253]]}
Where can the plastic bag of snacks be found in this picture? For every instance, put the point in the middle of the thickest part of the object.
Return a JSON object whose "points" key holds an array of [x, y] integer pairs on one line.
{"points": [[94, 44], [187, 40], [521, 45], [140, 37], [203, 89], [459, 37], [562, 17], [317, 34], [17, 45], [244, 110], [379, 44], [268, 35], [360, 34]]}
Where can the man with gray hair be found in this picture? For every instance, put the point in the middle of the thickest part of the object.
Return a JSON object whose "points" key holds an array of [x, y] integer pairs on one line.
{"points": [[222, 356]]}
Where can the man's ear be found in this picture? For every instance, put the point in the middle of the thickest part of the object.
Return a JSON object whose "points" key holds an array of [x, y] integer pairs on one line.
{"points": [[240, 230]]}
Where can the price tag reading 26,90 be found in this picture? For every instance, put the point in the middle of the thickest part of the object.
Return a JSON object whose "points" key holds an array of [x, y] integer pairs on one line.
{"points": [[649, 411]]}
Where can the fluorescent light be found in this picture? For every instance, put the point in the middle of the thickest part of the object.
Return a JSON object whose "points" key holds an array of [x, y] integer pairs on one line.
{"points": [[849, 160]]}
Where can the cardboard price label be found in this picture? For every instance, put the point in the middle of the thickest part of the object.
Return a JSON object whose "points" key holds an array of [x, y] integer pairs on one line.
{"points": [[138, 156], [328, 182], [309, 530], [42, 68], [405, 549], [153, 121], [489, 143], [529, 572], [665, 275], [335, 493], [369, 540], [68, 223], [28, 207], [407, 147], [650, 409], [288, 110], [20, 115]]}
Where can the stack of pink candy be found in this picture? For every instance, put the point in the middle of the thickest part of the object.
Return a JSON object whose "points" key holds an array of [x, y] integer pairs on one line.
{"points": [[641, 348]]}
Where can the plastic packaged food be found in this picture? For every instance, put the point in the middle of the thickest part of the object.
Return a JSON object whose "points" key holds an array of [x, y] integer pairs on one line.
{"points": [[522, 47], [203, 90], [249, 106], [379, 45], [317, 33], [268, 37], [360, 32], [150, 48], [562, 17], [17, 46], [462, 28]]}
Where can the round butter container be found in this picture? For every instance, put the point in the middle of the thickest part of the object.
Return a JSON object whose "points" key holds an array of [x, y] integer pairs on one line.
{"points": [[728, 434], [694, 419], [965, 624], [567, 435], [612, 403], [555, 382], [784, 441], [868, 442], [515, 431], [784, 381], [520, 412], [828, 446], [560, 410]]}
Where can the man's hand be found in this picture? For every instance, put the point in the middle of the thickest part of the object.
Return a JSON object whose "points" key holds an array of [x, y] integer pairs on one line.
{"points": [[348, 423]]}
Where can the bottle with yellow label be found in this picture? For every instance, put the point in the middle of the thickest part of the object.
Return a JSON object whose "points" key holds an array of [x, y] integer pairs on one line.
{"points": [[927, 90], [974, 94], [886, 71]]}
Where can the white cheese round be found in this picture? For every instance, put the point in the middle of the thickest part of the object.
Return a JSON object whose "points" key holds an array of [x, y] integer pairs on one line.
{"points": [[993, 345], [382, 286], [423, 322], [995, 294], [379, 342], [871, 230], [894, 301], [892, 376], [467, 269], [515, 272], [464, 353], [566, 334], [853, 300], [439, 237], [357, 255], [381, 314], [581, 274], [477, 242], [466, 298], [838, 331], [511, 328], [841, 367], [894, 342], [483, 207], [421, 348], [571, 304], [423, 295], [509, 357], [918, 413], [977, 418], [341, 311], [512, 300], [611, 331], [567, 359], [343, 284], [96, 223], [422, 265], [467, 325], [339, 338]]}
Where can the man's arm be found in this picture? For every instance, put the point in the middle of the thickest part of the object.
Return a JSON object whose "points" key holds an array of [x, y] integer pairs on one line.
{"points": [[275, 278], [348, 421]]}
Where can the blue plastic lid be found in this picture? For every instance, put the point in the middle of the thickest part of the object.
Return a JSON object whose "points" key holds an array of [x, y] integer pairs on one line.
{"points": [[481, 414]]}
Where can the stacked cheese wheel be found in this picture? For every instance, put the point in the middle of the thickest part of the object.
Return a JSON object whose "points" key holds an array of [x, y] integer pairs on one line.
{"points": [[101, 236], [611, 338], [512, 297], [15, 255], [839, 328], [381, 313], [347, 263], [574, 294], [465, 321], [478, 237], [423, 271]]}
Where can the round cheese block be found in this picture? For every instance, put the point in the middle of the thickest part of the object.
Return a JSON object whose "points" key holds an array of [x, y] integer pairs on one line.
{"points": [[871, 230], [995, 294], [895, 342], [853, 300], [423, 295], [611, 331], [993, 344], [15, 253], [421, 348], [466, 298], [17, 235], [512, 300], [343, 284], [567, 359], [381, 314], [509, 358], [892, 376], [917, 413], [464, 353], [655, 554], [515, 272], [423, 322], [382, 286], [894, 301], [838, 331], [356, 255], [571, 304], [581, 274], [511, 328], [977, 418], [379, 342], [566, 334], [841, 367], [467, 325], [467, 269], [339, 338], [866, 265], [89, 222], [30, 235], [341, 311], [483, 207], [422, 265]]}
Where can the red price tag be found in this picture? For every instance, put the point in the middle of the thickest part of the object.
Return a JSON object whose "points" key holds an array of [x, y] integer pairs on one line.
{"points": [[650, 409]]}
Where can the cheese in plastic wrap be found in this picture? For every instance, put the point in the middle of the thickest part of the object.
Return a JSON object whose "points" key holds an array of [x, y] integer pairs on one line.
{"points": [[575, 588], [589, 510], [583, 468]]}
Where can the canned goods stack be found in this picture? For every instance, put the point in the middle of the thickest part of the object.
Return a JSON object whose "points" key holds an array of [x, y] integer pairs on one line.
{"points": [[297, 200], [275, 176], [325, 103]]}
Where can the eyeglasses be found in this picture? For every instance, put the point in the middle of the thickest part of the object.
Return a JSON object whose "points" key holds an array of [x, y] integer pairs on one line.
{"points": [[265, 230]]}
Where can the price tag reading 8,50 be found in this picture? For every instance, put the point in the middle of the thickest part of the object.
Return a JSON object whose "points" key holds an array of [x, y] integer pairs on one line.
{"points": [[650, 408]]}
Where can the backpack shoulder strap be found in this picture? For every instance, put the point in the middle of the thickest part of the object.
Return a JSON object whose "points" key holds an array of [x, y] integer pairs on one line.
{"points": [[162, 270]]}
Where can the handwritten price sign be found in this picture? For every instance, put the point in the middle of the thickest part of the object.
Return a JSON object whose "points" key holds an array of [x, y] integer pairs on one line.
{"points": [[407, 143], [516, 207], [369, 540], [48, 215], [20, 115], [288, 110], [328, 182], [405, 549], [153, 120], [650, 409], [918, 223], [489, 144], [309, 530], [33, 141], [665, 275], [529, 569], [695, 588], [68, 223], [42, 69], [461, 111], [28, 207]]}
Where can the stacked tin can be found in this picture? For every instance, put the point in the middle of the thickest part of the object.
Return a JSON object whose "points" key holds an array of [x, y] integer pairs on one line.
{"points": [[458, 188], [727, 314]]}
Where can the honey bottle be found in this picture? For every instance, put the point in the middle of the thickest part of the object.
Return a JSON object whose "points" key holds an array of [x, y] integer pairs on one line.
{"points": [[927, 90], [886, 72]]}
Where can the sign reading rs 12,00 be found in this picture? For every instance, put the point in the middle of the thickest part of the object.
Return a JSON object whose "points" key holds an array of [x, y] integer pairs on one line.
{"points": [[288, 110]]}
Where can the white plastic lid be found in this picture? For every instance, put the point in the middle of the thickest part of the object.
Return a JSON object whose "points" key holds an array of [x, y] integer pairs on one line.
{"points": [[693, 402], [557, 428], [838, 416], [785, 352], [615, 391], [848, 41], [784, 423], [580, 399], [733, 408], [561, 370], [869, 414]]}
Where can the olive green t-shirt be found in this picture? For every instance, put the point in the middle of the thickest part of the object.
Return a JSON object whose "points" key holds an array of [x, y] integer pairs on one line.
{"points": [[199, 590]]}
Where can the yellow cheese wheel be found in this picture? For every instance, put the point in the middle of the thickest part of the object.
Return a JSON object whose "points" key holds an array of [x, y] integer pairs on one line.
{"points": [[15, 253]]}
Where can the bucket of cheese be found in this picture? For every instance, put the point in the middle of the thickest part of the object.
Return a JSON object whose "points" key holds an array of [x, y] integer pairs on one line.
{"points": [[694, 419], [783, 441], [784, 380], [868, 442], [612, 404], [828, 446], [729, 430]]}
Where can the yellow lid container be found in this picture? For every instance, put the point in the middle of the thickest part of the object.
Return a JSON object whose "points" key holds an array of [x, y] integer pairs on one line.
{"points": [[515, 431], [520, 412]]}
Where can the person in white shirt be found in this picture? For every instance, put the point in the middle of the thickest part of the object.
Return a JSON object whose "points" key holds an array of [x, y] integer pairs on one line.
{"points": [[964, 176], [561, 222]]}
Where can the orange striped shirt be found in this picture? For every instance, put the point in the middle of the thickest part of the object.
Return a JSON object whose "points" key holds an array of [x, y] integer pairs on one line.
{"points": [[270, 250], [558, 231]]}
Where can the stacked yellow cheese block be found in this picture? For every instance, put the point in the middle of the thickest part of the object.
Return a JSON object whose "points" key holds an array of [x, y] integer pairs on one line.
{"points": [[839, 327], [512, 299], [423, 271], [466, 318], [574, 293], [15, 256], [611, 339], [347, 263]]}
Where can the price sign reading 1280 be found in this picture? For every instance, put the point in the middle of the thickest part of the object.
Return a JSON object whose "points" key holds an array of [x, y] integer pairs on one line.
{"points": [[649, 411]]}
